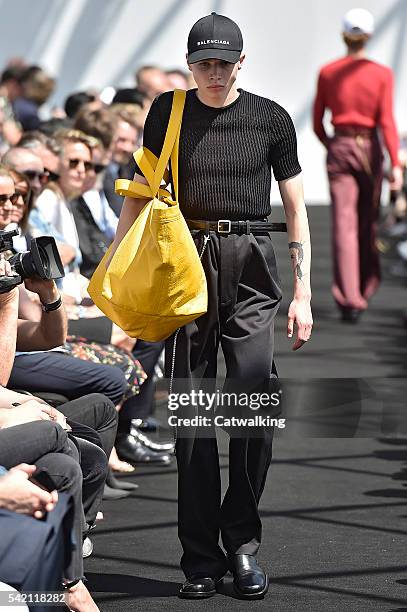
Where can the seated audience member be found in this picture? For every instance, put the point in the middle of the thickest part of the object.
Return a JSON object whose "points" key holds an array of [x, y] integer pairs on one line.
{"points": [[27, 433], [33, 553], [36, 87], [130, 95], [54, 202], [28, 162], [101, 125], [125, 142], [22, 203], [46, 148], [10, 89], [151, 81], [76, 101], [177, 79]]}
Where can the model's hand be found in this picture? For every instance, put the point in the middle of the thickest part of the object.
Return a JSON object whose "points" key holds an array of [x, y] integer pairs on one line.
{"points": [[396, 178], [299, 316]]}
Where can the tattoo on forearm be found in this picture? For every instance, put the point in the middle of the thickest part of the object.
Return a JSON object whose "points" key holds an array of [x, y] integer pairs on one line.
{"points": [[297, 257]]}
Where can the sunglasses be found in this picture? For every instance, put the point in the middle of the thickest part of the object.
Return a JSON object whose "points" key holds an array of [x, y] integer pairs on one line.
{"points": [[52, 176], [43, 177], [74, 163], [12, 198], [18, 194]]}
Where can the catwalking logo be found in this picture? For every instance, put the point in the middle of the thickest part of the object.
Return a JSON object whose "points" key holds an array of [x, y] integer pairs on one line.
{"points": [[202, 400]]}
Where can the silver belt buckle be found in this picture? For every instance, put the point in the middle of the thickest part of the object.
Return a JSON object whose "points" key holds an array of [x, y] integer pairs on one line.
{"points": [[228, 226]]}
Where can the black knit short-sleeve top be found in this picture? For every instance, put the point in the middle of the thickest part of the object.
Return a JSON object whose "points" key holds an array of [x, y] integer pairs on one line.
{"points": [[227, 154]]}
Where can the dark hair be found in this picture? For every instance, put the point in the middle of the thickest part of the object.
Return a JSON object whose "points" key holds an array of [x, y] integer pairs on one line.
{"points": [[37, 84], [98, 123], [51, 126], [12, 73], [130, 95], [75, 101], [355, 43], [34, 138]]}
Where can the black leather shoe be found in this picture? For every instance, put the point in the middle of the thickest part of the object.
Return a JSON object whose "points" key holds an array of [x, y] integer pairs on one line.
{"points": [[198, 587], [134, 451], [158, 447], [249, 580], [350, 315]]}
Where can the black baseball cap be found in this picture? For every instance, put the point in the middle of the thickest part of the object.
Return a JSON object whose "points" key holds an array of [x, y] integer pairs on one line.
{"points": [[215, 37]]}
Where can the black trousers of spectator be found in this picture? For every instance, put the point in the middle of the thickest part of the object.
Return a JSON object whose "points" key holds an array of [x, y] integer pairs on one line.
{"points": [[33, 552], [53, 372], [99, 415], [46, 445], [244, 296], [141, 406]]}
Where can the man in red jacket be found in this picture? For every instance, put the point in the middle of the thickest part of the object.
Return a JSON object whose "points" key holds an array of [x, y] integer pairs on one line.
{"points": [[359, 94]]}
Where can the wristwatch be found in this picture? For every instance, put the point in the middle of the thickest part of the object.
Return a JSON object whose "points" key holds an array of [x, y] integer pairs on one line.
{"points": [[52, 306]]}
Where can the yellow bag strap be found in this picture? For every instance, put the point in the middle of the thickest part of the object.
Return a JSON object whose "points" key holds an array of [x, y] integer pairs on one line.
{"points": [[143, 158], [174, 164]]}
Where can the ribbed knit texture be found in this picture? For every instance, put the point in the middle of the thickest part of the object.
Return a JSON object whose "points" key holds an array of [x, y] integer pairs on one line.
{"points": [[226, 154]]}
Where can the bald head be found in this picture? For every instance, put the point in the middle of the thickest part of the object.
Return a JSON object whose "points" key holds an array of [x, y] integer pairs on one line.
{"points": [[27, 162]]}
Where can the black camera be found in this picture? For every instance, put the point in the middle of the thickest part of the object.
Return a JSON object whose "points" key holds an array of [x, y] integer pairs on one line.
{"points": [[41, 260]]}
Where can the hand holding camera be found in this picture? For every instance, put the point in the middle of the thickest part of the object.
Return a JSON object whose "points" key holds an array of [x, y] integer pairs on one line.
{"points": [[42, 260]]}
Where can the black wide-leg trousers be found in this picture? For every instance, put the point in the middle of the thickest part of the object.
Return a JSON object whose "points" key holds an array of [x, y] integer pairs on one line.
{"points": [[243, 297]]}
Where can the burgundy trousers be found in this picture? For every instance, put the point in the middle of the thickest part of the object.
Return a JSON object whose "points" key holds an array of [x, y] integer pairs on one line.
{"points": [[355, 177]]}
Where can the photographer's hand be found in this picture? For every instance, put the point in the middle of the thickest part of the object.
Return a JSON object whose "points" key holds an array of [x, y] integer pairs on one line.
{"points": [[45, 289], [8, 324], [5, 270], [50, 330]]}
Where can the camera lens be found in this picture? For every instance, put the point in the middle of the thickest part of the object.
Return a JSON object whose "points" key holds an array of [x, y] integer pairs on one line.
{"points": [[45, 262]]}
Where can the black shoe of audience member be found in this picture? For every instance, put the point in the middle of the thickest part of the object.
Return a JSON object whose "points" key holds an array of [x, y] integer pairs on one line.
{"points": [[132, 450], [350, 315], [113, 483], [110, 494], [158, 447], [249, 580], [198, 587]]}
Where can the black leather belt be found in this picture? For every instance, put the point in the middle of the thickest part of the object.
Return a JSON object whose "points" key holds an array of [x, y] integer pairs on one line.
{"points": [[226, 226]]}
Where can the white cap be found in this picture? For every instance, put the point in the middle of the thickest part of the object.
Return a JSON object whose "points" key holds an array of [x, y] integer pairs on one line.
{"points": [[358, 22]]}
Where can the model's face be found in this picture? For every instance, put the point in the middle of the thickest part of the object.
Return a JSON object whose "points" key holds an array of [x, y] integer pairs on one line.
{"points": [[214, 77]]}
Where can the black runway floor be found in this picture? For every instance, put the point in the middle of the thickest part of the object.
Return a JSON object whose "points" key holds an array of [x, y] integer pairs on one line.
{"points": [[334, 508]]}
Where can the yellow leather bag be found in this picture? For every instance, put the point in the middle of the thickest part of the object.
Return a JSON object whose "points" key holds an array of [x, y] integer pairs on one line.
{"points": [[155, 282]]}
